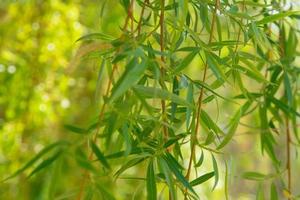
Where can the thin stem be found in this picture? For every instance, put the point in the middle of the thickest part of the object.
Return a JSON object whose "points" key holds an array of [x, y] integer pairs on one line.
{"points": [[162, 48], [141, 17], [287, 129], [239, 32], [199, 102], [86, 173], [129, 15]]}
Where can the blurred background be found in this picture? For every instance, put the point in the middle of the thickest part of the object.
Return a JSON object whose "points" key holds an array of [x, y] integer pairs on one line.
{"points": [[43, 86], [46, 83]]}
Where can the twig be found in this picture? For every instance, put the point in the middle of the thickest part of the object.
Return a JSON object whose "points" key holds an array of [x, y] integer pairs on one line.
{"points": [[199, 102], [86, 173], [162, 70]]}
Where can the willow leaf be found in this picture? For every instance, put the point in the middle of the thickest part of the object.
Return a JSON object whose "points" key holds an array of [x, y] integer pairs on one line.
{"points": [[216, 171], [151, 183], [133, 72], [99, 155], [233, 126], [36, 158], [178, 174], [202, 179], [186, 61], [152, 92], [276, 17], [45, 163]]}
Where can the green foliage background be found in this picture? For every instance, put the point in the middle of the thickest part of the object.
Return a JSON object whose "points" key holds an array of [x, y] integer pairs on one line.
{"points": [[53, 87]]}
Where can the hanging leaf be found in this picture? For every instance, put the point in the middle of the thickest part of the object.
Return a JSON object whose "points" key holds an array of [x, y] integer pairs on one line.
{"points": [[151, 182], [233, 126], [276, 17], [151, 92], [132, 74], [216, 171], [202, 179], [37, 157], [99, 155]]}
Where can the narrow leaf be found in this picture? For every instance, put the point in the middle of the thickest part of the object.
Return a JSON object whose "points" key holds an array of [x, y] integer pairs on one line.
{"points": [[132, 74], [233, 126], [151, 183], [99, 155], [276, 17], [202, 179]]}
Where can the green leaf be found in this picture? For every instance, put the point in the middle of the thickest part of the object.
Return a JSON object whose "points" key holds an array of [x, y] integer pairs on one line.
{"points": [[127, 138], [254, 74], [75, 129], [209, 123], [202, 179], [168, 176], [130, 164], [233, 126], [96, 36], [260, 193], [285, 108], [99, 155], [256, 176], [173, 140], [288, 89], [45, 163], [173, 167], [152, 92], [273, 192], [133, 72], [216, 171], [267, 139], [276, 17], [196, 37], [190, 100], [201, 159], [200, 84], [175, 91], [186, 61], [151, 183], [214, 66], [36, 158]]}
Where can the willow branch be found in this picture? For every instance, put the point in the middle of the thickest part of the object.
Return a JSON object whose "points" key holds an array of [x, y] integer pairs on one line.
{"points": [[200, 98]]}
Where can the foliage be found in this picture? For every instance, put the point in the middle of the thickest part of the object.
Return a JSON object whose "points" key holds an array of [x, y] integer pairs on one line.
{"points": [[164, 83]]}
